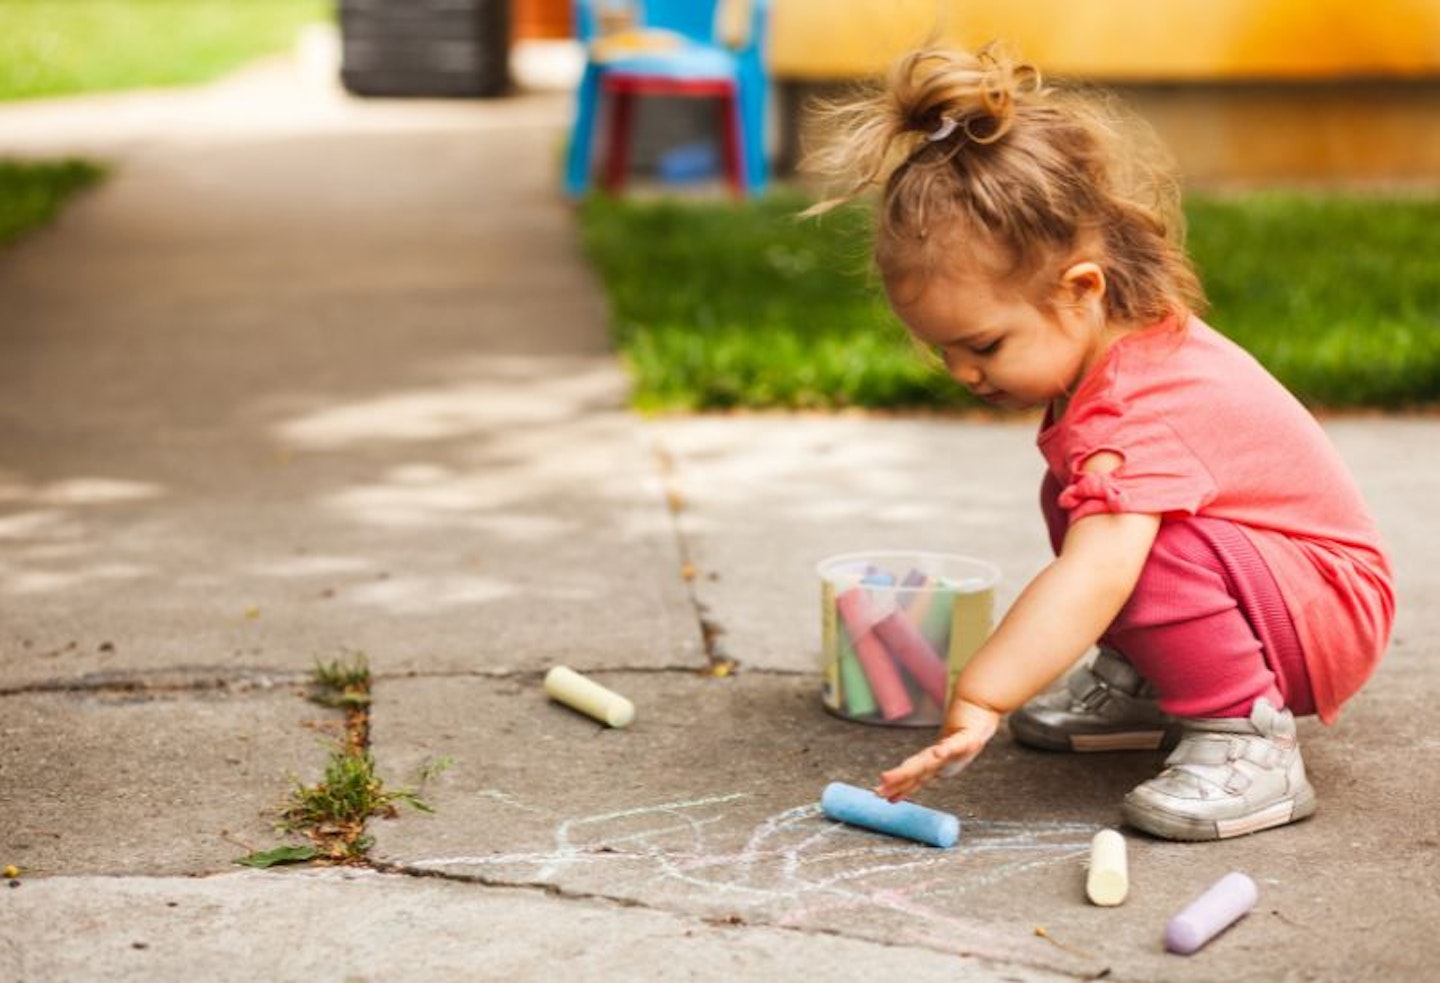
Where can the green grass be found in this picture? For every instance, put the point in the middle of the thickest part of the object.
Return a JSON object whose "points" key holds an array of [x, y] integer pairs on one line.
{"points": [[720, 305], [60, 47], [717, 305], [31, 193], [341, 683], [1338, 296], [333, 812]]}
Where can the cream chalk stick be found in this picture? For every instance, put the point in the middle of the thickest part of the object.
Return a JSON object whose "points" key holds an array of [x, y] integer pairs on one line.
{"points": [[1109, 880], [589, 697]]}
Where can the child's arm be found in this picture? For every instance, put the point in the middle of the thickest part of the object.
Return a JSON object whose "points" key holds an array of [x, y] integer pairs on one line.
{"points": [[1060, 614]]}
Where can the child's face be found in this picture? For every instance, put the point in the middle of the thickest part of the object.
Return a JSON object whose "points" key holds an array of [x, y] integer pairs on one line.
{"points": [[998, 344]]}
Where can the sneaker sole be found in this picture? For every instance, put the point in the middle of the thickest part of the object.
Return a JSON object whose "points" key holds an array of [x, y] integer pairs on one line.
{"points": [[1169, 826], [1129, 740]]}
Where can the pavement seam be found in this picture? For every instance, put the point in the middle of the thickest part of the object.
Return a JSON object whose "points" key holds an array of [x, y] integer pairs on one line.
{"points": [[247, 681], [390, 868], [718, 663], [206, 680]]}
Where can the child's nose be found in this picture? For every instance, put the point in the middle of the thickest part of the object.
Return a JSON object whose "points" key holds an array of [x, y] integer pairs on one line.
{"points": [[966, 373]]}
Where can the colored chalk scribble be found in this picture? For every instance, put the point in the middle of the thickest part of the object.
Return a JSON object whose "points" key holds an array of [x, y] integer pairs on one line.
{"points": [[794, 868]]}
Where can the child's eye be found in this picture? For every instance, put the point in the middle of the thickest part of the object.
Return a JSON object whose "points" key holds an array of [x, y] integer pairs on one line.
{"points": [[986, 349]]}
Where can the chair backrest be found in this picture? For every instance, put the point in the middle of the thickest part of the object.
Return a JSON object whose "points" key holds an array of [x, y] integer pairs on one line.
{"points": [[695, 19]]}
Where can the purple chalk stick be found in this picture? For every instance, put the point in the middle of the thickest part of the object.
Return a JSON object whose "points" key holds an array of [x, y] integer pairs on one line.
{"points": [[1210, 914]]}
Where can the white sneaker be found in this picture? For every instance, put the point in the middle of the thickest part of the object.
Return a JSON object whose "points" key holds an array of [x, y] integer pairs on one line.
{"points": [[1227, 777], [1106, 706]]}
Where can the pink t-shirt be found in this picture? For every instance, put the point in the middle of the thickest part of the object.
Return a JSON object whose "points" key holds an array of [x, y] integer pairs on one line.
{"points": [[1204, 429]]}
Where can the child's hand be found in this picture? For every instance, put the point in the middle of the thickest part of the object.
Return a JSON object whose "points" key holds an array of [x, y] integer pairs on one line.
{"points": [[968, 728]]}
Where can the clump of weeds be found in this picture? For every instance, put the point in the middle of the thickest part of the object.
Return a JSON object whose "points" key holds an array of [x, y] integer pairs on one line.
{"points": [[332, 813]]}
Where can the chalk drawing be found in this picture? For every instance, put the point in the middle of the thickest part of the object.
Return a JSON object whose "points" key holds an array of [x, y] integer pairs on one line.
{"points": [[793, 868]]}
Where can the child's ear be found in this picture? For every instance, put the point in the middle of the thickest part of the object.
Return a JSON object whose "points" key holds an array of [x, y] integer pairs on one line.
{"points": [[1083, 281]]}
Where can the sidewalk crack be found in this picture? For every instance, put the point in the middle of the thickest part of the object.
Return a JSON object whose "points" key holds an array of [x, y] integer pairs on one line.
{"points": [[717, 661]]}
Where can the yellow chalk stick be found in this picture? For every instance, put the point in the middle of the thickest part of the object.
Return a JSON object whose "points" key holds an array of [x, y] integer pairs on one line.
{"points": [[589, 697], [1108, 881]]}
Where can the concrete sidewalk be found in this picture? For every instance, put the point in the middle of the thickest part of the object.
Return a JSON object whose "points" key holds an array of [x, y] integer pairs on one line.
{"points": [[309, 377]]}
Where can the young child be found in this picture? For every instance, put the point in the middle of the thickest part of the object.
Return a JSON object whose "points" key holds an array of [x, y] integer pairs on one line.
{"points": [[1207, 535]]}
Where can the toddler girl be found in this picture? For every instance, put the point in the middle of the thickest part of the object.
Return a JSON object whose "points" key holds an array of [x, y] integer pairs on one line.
{"points": [[1207, 535]]}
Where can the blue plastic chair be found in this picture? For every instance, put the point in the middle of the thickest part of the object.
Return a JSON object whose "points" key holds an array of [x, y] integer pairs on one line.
{"points": [[700, 64]]}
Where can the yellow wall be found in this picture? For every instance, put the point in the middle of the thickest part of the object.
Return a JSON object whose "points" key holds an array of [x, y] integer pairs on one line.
{"points": [[1122, 40]]}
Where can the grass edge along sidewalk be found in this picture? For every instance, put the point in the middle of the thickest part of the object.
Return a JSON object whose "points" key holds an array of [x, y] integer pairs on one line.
{"points": [[33, 192], [64, 47], [725, 305]]}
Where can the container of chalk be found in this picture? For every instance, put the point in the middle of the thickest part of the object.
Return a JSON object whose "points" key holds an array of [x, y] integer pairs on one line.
{"points": [[860, 807], [896, 628], [565, 685]]}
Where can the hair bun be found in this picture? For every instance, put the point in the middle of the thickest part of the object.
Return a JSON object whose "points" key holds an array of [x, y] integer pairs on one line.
{"points": [[978, 91]]}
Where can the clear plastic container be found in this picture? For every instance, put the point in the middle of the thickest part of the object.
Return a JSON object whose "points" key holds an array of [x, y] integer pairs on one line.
{"points": [[896, 628]]}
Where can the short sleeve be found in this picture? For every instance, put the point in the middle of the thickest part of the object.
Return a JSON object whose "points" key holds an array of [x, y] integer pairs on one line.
{"points": [[1158, 473]]}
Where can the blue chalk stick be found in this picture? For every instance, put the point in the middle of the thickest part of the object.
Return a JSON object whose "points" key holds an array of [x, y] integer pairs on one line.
{"points": [[860, 807]]}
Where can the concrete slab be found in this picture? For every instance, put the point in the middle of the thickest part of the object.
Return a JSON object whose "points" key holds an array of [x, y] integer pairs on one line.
{"points": [[1394, 460], [706, 805], [360, 926], [766, 497], [261, 405], [149, 783]]}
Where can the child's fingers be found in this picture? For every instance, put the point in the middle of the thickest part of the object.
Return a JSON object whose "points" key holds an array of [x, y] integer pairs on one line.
{"points": [[943, 760], [913, 773]]}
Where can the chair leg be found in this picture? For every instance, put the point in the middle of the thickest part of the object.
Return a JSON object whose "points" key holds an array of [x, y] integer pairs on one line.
{"points": [[622, 126], [753, 99], [731, 141], [577, 161]]}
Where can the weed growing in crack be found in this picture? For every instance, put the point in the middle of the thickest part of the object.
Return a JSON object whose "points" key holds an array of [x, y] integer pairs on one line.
{"points": [[332, 813], [341, 684]]}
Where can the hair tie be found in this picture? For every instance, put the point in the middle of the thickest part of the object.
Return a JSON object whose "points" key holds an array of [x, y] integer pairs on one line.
{"points": [[948, 125]]}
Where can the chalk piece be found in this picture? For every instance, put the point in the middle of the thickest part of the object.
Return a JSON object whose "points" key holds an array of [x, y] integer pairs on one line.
{"points": [[589, 697], [971, 616], [914, 578], [859, 701], [859, 617], [860, 807], [833, 693], [934, 620], [1108, 880], [1231, 897], [911, 650]]}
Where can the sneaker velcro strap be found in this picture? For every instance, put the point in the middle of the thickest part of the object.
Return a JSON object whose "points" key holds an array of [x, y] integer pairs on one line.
{"points": [[1204, 779], [1086, 689], [1199, 749], [1237, 781], [1265, 754], [1116, 673]]}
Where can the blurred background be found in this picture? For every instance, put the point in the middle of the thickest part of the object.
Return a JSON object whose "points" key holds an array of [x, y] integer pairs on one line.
{"points": [[1306, 131]]}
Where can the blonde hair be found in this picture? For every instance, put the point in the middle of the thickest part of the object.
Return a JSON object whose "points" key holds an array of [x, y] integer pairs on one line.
{"points": [[978, 159]]}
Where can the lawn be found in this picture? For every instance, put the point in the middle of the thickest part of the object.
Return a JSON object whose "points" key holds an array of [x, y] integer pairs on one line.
{"points": [[60, 47], [720, 305], [64, 47], [32, 193]]}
